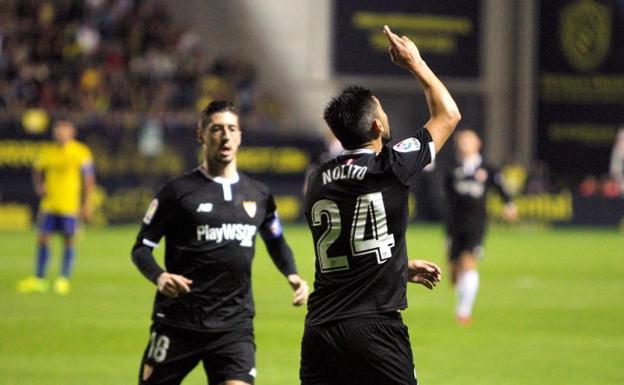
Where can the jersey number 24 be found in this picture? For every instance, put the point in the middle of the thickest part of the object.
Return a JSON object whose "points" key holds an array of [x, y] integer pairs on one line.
{"points": [[367, 206]]}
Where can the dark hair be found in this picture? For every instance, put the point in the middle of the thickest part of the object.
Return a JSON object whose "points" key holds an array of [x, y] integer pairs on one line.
{"points": [[59, 120], [350, 115], [213, 108]]}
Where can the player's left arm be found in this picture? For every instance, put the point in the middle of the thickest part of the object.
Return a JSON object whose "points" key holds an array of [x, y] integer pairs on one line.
{"points": [[87, 170], [495, 179], [282, 255]]}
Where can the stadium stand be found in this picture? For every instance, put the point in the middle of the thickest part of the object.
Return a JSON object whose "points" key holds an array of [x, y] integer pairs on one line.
{"points": [[104, 56]]}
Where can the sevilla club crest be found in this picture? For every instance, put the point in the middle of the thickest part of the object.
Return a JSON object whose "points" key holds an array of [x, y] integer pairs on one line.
{"points": [[250, 208]]}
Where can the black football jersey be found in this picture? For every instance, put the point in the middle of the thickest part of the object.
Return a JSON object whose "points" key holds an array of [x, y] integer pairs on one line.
{"points": [[210, 227], [356, 208], [466, 185]]}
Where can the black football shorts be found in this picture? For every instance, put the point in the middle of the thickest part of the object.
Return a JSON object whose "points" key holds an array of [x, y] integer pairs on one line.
{"points": [[465, 239], [371, 350], [172, 353]]}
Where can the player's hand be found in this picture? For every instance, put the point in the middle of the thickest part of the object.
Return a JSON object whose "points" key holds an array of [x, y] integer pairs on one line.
{"points": [[40, 191], [85, 212], [425, 273], [172, 285], [300, 288], [403, 51], [510, 212]]}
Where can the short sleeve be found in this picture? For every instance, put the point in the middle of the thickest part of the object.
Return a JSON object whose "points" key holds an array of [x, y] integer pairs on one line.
{"points": [[86, 160], [411, 155], [271, 226], [157, 217]]}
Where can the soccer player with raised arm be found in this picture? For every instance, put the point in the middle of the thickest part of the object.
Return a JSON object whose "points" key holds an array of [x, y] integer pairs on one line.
{"points": [[466, 183], [63, 177], [209, 218], [356, 207]]}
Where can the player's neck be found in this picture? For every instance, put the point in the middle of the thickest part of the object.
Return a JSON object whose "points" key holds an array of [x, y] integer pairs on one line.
{"points": [[375, 145], [221, 170]]}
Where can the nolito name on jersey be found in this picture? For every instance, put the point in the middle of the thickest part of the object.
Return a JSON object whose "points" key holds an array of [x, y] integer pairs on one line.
{"points": [[344, 171], [243, 233]]}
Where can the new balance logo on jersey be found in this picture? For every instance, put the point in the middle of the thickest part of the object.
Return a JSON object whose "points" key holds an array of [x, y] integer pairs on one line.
{"points": [[345, 171], [204, 208], [228, 232]]}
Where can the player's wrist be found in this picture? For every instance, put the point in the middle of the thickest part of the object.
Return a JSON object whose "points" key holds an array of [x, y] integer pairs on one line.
{"points": [[417, 66], [413, 264], [158, 276]]}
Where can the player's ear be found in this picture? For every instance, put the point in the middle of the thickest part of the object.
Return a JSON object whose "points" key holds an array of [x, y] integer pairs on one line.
{"points": [[198, 134], [377, 127]]}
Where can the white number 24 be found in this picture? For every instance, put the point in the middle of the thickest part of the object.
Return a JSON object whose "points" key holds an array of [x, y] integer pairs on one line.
{"points": [[367, 205]]}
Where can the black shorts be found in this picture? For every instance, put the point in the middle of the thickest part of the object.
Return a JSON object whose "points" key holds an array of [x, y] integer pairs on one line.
{"points": [[465, 238], [173, 352], [374, 350]]}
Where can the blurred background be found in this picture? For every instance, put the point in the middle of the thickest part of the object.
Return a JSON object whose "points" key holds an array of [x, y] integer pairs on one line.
{"points": [[541, 81]]}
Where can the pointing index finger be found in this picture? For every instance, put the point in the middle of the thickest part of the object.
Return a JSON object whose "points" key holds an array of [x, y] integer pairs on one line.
{"points": [[394, 39]]}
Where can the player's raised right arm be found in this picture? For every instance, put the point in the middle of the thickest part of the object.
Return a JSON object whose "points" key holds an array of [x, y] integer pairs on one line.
{"points": [[442, 108]]}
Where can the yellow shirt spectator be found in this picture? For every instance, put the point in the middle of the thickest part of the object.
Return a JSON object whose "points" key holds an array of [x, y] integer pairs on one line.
{"points": [[62, 166]]}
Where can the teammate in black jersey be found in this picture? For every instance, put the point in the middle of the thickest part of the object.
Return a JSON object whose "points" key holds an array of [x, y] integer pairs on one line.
{"points": [[466, 185], [209, 218], [356, 207]]}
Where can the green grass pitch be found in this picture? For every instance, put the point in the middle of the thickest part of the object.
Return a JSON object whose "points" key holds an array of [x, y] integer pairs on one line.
{"points": [[550, 311]]}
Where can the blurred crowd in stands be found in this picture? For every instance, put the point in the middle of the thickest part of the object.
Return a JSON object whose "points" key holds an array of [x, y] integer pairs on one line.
{"points": [[112, 57], [123, 67]]}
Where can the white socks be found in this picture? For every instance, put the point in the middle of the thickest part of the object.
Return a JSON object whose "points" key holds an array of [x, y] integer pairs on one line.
{"points": [[467, 287]]}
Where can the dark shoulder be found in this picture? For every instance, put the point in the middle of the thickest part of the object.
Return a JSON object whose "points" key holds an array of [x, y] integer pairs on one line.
{"points": [[191, 177], [183, 182], [329, 163], [254, 184]]}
